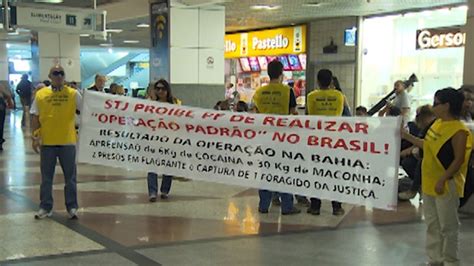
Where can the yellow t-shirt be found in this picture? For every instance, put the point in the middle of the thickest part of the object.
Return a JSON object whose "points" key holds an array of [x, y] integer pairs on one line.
{"points": [[432, 168], [57, 111], [273, 99], [328, 102]]}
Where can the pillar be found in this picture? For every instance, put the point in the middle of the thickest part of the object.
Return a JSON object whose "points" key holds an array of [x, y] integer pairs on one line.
{"points": [[468, 78], [54, 48], [195, 51], [3, 60]]}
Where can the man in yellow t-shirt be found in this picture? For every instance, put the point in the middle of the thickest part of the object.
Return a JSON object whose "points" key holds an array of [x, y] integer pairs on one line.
{"points": [[54, 137], [275, 98], [326, 101]]}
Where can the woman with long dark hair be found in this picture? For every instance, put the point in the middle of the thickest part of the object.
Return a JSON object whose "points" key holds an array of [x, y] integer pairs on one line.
{"points": [[446, 150], [161, 92]]}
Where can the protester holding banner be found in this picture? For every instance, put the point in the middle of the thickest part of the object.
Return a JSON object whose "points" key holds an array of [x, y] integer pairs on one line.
{"points": [[275, 98], [54, 136], [326, 101], [161, 92], [446, 150]]}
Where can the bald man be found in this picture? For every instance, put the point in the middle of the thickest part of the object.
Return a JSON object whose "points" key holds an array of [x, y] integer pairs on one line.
{"points": [[54, 137]]}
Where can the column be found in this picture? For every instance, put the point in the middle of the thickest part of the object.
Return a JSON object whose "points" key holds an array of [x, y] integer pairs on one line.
{"points": [[468, 78], [196, 52], [469, 48], [3, 60], [56, 48]]}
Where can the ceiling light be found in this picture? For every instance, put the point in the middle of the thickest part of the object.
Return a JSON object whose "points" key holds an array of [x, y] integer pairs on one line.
{"points": [[131, 41], [265, 7], [312, 4], [110, 50], [8, 46], [84, 35], [114, 30], [14, 33], [106, 44], [49, 1], [143, 25]]}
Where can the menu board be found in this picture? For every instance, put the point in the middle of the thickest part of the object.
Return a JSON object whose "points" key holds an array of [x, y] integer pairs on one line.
{"points": [[244, 64], [254, 65], [284, 60], [271, 58], [294, 62], [262, 60], [302, 61]]}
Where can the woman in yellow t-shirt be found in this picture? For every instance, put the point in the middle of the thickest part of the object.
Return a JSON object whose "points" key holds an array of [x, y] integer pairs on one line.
{"points": [[160, 91], [446, 150]]}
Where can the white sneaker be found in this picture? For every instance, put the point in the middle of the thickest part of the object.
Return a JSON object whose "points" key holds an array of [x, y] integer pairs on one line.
{"points": [[42, 213], [72, 214], [407, 195]]}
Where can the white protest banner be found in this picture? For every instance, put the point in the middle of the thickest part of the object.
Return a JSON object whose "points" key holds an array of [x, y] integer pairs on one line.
{"points": [[353, 160]]}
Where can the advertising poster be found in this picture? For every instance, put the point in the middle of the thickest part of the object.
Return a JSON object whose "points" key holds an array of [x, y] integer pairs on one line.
{"points": [[160, 38]]}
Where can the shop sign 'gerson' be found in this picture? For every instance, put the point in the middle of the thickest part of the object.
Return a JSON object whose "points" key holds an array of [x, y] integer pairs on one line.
{"points": [[438, 38]]}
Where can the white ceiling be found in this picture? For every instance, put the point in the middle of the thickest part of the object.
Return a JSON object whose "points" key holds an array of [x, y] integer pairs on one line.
{"points": [[240, 16]]}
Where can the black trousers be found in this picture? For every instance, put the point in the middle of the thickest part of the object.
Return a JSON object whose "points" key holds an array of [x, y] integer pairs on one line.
{"points": [[316, 204], [2, 124]]}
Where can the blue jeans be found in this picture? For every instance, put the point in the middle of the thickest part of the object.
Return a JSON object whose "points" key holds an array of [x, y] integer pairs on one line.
{"points": [[67, 160], [266, 198], [152, 179]]}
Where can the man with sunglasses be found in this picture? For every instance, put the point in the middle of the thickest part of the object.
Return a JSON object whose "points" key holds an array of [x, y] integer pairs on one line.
{"points": [[54, 136]]}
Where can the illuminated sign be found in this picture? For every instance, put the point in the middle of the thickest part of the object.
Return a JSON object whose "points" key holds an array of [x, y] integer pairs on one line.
{"points": [[440, 38], [290, 40]]}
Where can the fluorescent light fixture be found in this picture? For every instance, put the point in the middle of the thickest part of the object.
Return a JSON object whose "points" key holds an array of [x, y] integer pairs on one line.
{"points": [[49, 1], [106, 44], [114, 30], [265, 7], [110, 50], [312, 4], [84, 35], [14, 33], [143, 25], [8, 46], [131, 41]]}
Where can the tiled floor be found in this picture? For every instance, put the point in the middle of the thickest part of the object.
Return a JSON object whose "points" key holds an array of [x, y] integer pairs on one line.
{"points": [[200, 224]]}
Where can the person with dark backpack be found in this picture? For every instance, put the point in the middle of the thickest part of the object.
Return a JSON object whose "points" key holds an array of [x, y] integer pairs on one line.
{"points": [[24, 90]]}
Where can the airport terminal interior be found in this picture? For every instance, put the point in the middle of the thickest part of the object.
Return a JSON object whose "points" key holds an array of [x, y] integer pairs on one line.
{"points": [[216, 57]]}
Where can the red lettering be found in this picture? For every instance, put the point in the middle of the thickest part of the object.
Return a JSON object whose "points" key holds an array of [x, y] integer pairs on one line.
{"points": [[330, 126], [362, 128], [355, 145], [269, 120], [326, 141], [340, 143], [138, 107], [108, 104], [189, 127], [345, 127], [296, 123], [281, 122], [236, 118], [149, 108], [313, 141]]}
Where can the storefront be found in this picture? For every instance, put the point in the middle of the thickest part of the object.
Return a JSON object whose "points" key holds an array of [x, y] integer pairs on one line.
{"points": [[248, 54], [429, 44]]}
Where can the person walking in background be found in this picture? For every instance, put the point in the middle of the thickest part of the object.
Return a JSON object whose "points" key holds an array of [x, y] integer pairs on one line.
{"points": [[326, 101], [24, 90], [161, 92], [54, 137], [275, 98], [446, 150]]}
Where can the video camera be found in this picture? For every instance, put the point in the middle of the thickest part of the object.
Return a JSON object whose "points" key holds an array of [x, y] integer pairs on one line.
{"points": [[389, 97]]}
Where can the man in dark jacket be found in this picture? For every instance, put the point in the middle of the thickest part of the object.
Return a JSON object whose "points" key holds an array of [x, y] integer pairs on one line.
{"points": [[24, 89]]}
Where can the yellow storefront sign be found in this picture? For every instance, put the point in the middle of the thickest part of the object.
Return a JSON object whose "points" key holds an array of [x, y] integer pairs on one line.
{"points": [[290, 40]]}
